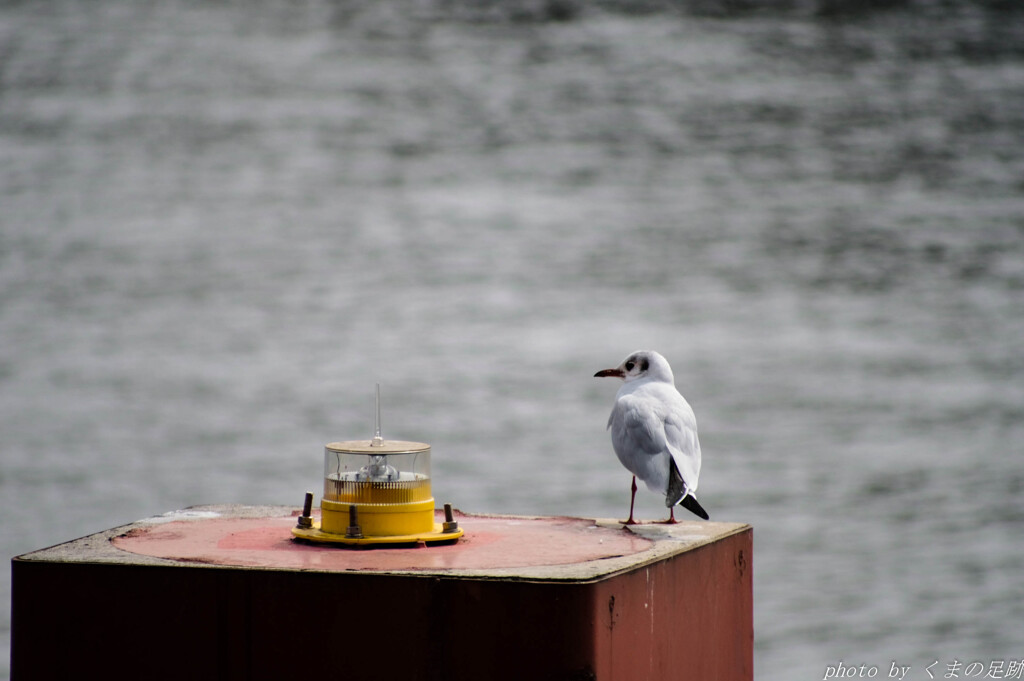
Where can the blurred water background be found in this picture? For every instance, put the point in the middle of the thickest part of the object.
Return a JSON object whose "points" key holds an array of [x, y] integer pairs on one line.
{"points": [[221, 223]]}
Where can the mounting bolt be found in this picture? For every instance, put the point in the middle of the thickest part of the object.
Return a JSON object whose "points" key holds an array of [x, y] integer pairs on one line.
{"points": [[306, 520], [450, 524], [353, 531]]}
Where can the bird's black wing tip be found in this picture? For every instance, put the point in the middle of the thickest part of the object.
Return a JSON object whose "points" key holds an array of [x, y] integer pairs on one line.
{"points": [[691, 505]]}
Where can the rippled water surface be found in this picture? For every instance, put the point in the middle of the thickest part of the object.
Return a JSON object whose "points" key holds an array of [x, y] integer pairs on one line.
{"points": [[222, 223]]}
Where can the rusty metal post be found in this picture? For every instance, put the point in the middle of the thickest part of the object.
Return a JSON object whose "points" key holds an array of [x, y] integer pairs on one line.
{"points": [[216, 595]]}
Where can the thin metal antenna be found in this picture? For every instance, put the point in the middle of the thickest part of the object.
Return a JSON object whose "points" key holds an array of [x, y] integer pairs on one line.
{"points": [[378, 441]]}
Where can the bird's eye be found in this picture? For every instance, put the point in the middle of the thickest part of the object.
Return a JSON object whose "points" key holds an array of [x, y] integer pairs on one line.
{"points": [[629, 366]]}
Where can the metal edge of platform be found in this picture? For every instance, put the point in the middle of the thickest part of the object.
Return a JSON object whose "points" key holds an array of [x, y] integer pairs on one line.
{"points": [[669, 540]]}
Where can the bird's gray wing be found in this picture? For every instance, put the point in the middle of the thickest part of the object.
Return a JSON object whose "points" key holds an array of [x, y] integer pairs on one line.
{"points": [[638, 434], [681, 436], [641, 425]]}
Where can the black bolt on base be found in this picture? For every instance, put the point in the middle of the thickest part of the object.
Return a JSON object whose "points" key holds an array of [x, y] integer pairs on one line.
{"points": [[353, 531], [306, 520], [450, 524]]}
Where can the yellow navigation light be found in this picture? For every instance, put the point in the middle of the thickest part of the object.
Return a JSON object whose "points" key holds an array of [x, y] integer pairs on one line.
{"points": [[376, 492]]}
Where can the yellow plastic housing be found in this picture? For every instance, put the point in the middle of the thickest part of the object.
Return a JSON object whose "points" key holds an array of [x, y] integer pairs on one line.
{"points": [[379, 520]]}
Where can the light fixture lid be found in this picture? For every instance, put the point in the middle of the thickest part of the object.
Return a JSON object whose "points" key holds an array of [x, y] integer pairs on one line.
{"points": [[376, 446]]}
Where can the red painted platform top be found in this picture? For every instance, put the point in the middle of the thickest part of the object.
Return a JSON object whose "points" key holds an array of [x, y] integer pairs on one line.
{"points": [[490, 542], [500, 547]]}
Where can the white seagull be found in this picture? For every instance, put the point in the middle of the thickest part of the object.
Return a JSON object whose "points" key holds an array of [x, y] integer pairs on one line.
{"points": [[654, 432]]}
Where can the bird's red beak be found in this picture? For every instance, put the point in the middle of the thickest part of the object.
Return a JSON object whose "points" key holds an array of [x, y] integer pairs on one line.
{"points": [[609, 372]]}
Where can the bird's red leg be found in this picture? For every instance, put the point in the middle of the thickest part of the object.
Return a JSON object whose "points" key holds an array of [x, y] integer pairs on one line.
{"points": [[632, 498], [671, 516]]}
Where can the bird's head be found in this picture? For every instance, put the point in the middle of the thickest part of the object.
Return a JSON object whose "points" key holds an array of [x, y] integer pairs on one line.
{"points": [[641, 364]]}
